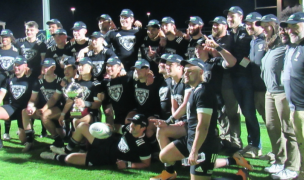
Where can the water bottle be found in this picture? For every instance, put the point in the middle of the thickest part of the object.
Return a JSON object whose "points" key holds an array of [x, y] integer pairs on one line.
{"points": [[200, 158]]}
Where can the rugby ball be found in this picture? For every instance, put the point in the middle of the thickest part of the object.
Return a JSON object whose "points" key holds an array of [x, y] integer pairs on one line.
{"points": [[100, 130]]}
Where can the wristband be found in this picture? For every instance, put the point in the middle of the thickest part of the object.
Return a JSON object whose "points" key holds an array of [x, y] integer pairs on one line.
{"points": [[219, 48], [170, 120], [128, 164], [87, 104], [62, 114]]}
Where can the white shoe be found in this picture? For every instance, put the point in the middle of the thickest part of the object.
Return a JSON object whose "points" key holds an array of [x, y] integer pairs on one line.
{"points": [[48, 155], [285, 174], [275, 168], [27, 147], [57, 150], [252, 152], [6, 137]]}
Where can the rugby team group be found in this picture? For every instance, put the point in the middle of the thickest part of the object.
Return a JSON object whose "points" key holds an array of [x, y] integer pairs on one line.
{"points": [[165, 94]]}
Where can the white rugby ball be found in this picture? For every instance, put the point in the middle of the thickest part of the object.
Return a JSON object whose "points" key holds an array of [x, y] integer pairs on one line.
{"points": [[100, 130]]}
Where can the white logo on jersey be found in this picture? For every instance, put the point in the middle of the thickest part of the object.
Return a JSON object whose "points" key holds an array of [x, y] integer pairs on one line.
{"points": [[118, 35], [170, 51], [242, 36], [73, 50], [178, 98], [55, 55], [47, 93], [141, 95], [18, 90], [123, 146], [29, 53], [97, 69], [127, 42], [260, 47], [191, 52], [163, 91], [85, 93], [115, 92], [6, 62], [188, 110]]}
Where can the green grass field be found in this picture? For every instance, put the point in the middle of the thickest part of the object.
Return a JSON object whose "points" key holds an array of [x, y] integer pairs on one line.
{"points": [[17, 165]]}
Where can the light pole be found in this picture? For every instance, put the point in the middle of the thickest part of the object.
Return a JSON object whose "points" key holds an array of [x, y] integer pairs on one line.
{"points": [[148, 14]]}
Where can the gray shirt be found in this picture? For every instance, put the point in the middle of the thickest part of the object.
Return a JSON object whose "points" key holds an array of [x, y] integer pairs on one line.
{"points": [[272, 67]]}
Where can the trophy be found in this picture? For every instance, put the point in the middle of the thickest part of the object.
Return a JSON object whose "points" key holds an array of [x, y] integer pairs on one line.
{"points": [[73, 91]]}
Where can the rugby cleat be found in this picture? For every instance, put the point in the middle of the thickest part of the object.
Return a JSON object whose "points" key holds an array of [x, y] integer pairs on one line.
{"points": [[165, 176], [241, 161]]}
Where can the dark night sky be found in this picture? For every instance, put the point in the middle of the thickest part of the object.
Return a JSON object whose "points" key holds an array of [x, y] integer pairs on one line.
{"points": [[15, 12]]}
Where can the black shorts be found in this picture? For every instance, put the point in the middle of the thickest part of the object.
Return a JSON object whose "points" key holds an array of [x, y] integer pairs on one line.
{"points": [[211, 151], [102, 152], [14, 114]]}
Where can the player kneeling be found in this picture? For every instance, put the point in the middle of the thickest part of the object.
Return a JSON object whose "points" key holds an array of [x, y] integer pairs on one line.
{"points": [[130, 151]]}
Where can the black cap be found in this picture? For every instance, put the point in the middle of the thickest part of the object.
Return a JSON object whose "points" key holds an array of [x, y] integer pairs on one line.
{"points": [[194, 61], [234, 9], [105, 17], [267, 18], [252, 17], [79, 25], [174, 58], [48, 62], [20, 60], [127, 13], [6, 33], [60, 32], [153, 23], [97, 34], [293, 19], [141, 63], [168, 20], [139, 119], [69, 60], [86, 60], [113, 60], [219, 20], [53, 21], [164, 57], [195, 20]]}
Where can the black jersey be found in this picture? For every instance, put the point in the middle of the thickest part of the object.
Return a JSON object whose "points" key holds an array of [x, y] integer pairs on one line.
{"points": [[178, 91], [147, 97], [120, 92], [240, 49], [191, 48], [58, 55], [73, 47], [46, 90], [131, 148], [7, 59], [202, 100], [296, 77], [225, 42], [19, 90], [165, 98], [126, 44], [32, 52], [177, 46], [99, 60], [155, 47]]}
